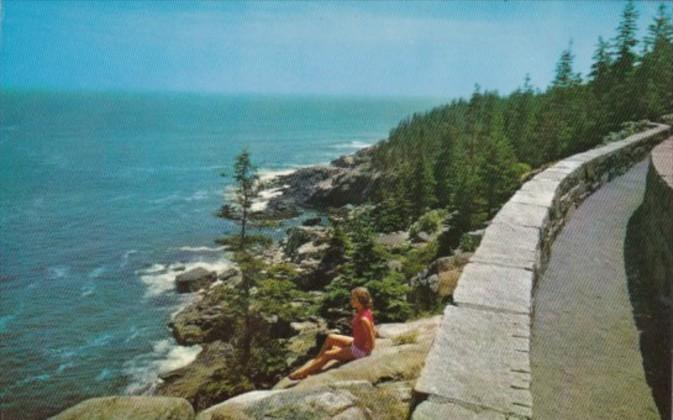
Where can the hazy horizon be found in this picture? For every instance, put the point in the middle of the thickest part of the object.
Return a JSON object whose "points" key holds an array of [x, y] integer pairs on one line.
{"points": [[347, 49]]}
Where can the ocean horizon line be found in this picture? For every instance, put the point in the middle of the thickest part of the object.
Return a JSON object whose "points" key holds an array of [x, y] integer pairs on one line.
{"points": [[223, 94]]}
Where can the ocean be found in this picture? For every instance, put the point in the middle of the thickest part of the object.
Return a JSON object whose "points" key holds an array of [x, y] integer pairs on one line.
{"points": [[104, 195]]}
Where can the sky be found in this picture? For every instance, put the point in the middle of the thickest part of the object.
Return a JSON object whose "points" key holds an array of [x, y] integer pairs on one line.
{"points": [[345, 48]]}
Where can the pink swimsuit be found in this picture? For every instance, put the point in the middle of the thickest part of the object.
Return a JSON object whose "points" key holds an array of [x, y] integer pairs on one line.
{"points": [[360, 334]]}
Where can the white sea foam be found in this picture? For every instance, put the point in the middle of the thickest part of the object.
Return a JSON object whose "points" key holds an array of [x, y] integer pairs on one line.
{"points": [[64, 366], [199, 195], [269, 174], [160, 278], [125, 258], [144, 370], [264, 196], [134, 333], [202, 248], [96, 272], [87, 290], [58, 272], [351, 145], [101, 340]]}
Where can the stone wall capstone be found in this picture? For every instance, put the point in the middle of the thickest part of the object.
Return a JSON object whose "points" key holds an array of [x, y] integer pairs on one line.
{"points": [[479, 365]]}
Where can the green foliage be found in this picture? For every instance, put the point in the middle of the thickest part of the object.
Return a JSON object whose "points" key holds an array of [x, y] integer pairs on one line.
{"points": [[469, 243], [390, 298], [468, 155], [429, 223], [260, 305], [418, 258], [627, 129]]}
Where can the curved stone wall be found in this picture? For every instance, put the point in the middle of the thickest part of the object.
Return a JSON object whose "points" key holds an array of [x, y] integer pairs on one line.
{"points": [[479, 366], [658, 221]]}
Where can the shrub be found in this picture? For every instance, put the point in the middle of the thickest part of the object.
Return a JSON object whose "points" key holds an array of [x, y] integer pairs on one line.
{"points": [[390, 298], [429, 223]]}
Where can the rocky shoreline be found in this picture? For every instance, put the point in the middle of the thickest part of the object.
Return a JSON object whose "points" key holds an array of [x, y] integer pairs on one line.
{"points": [[383, 389], [348, 179], [305, 249]]}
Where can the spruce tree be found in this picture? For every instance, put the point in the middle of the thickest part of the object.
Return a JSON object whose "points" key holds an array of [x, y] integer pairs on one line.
{"points": [[565, 77], [497, 171], [600, 69], [625, 42]]}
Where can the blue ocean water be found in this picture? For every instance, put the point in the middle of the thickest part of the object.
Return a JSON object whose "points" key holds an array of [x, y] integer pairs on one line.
{"points": [[104, 195]]}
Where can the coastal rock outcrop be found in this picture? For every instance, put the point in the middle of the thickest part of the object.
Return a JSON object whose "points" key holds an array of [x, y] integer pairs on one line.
{"points": [[350, 179], [204, 381], [205, 320], [347, 400], [194, 280], [440, 278], [304, 242], [129, 408], [378, 386]]}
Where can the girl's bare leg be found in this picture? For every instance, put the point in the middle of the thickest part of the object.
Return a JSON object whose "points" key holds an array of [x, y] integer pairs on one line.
{"points": [[336, 353], [333, 340]]}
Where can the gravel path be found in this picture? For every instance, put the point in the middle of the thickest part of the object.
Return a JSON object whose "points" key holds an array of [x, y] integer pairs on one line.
{"points": [[585, 351]]}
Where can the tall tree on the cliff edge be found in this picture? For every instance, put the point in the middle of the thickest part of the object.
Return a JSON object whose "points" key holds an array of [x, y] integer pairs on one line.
{"points": [[246, 189], [653, 81], [260, 297], [620, 95]]}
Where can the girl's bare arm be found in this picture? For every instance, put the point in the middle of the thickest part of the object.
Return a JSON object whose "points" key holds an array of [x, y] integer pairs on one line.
{"points": [[370, 332]]}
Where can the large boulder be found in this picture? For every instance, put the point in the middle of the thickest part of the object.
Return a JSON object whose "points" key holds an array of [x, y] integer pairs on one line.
{"points": [[194, 280], [344, 400], [393, 240], [352, 186], [304, 241], [439, 279], [129, 408], [207, 319], [205, 381], [398, 356], [298, 186]]}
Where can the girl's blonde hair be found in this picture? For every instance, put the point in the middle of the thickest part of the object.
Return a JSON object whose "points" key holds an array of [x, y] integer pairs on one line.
{"points": [[362, 295]]}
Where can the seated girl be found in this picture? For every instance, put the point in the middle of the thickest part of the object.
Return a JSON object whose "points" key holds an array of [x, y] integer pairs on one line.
{"points": [[344, 348]]}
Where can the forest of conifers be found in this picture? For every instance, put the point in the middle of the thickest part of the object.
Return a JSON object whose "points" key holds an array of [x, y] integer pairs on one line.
{"points": [[468, 156]]}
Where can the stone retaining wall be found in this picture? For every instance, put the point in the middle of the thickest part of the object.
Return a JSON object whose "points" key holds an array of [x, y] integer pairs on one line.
{"points": [[658, 221], [479, 365]]}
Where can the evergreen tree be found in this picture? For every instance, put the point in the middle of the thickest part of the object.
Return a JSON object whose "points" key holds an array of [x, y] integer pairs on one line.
{"points": [[498, 171], [565, 77], [625, 42], [246, 190], [621, 93], [654, 78], [422, 191], [600, 69], [442, 173]]}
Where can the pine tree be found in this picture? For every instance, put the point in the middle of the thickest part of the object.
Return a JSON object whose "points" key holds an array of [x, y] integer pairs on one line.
{"points": [[423, 187], [497, 172], [654, 77], [442, 172], [621, 93], [565, 77], [625, 42], [246, 190], [600, 69]]}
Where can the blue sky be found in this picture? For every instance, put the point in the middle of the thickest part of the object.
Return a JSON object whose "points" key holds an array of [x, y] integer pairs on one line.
{"points": [[352, 48]]}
